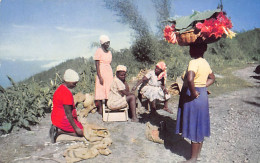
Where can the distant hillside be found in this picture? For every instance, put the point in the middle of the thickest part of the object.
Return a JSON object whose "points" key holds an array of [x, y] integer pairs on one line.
{"points": [[249, 41], [77, 64], [243, 48], [85, 67]]}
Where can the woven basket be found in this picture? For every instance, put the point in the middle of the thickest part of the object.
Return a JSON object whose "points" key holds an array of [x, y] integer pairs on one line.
{"points": [[193, 37]]}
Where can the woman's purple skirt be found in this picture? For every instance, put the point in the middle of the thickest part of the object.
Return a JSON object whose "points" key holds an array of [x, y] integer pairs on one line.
{"points": [[193, 115]]}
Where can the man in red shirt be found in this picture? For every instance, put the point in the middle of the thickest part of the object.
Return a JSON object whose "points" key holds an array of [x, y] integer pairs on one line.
{"points": [[64, 114]]}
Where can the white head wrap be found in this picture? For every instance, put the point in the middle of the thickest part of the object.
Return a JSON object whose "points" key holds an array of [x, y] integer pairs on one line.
{"points": [[121, 68], [71, 76], [103, 39]]}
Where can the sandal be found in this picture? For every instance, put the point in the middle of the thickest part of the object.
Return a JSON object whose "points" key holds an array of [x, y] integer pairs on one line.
{"points": [[53, 133], [168, 110]]}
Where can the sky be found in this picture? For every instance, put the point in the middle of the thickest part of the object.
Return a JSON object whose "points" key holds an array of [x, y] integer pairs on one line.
{"points": [[63, 29], [57, 30]]}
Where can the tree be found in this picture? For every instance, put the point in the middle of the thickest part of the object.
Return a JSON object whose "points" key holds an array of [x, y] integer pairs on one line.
{"points": [[128, 14], [145, 43], [163, 9]]}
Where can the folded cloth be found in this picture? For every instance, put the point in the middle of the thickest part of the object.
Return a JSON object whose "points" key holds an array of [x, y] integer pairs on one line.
{"points": [[98, 142]]}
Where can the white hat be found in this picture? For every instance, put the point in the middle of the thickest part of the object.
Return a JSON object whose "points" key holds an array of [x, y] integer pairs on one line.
{"points": [[121, 68], [103, 39], [71, 76]]}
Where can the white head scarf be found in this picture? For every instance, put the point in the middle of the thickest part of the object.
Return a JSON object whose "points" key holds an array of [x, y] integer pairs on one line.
{"points": [[103, 39], [71, 76], [121, 68]]}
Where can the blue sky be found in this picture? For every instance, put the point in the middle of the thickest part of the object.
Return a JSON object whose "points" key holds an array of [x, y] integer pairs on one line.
{"points": [[52, 31]]}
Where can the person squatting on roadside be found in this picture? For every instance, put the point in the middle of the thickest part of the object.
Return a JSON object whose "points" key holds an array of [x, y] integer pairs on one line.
{"points": [[104, 78], [120, 96], [155, 89], [193, 120], [64, 114]]}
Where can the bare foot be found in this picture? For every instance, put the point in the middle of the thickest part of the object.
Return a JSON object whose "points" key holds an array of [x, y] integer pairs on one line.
{"points": [[135, 120], [192, 160], [168, 110]]}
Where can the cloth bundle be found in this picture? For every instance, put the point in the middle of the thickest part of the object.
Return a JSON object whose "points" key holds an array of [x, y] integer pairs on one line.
{"points": [[152, 133], [96, 141], [85, 102]]}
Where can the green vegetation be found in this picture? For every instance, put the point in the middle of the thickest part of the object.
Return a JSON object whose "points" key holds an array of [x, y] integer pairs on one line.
{"points": [[26, 102], [23, 104], [228, 82]]}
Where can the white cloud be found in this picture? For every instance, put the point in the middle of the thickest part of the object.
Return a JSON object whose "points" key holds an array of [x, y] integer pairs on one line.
{"points": [[51, 64], [68, 29], [75, 29], [50, 44]]}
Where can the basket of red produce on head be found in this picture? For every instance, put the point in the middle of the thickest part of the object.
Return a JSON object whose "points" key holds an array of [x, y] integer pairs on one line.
{"points": [[206, 27]]}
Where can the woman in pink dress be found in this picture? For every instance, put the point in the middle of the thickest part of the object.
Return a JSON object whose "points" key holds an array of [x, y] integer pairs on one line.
{"points": [[104, 78]]}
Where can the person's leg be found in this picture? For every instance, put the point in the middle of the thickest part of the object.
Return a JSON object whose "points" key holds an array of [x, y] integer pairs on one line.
{"points": [[106, 102], [131, 100], [153, 106], [55, 132], [166, 107], [98, 104], [60, 131], [195, 150], [200, 151]]}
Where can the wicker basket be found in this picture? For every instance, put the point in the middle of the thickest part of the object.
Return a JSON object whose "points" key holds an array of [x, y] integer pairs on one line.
{"points": [[193, 37]]}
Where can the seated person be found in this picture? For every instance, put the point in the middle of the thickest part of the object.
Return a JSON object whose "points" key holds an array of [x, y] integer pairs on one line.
{"points": [[155, 88], [119, 95], [64, 115]]}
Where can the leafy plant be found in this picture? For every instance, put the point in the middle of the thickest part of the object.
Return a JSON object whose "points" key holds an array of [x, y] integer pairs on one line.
{"points": [[23, 104]]}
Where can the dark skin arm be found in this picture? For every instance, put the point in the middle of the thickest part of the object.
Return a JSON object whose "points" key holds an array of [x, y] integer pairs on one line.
{"points": [[68, 112], [163, 87], [210, 80], [139, 82], [98, 72], [144, 79], [190, 78], [126, 91], [191, 85]]}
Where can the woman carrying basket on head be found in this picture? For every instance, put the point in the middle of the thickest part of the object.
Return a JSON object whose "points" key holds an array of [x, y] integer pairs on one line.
{"points": [[193, 112]]}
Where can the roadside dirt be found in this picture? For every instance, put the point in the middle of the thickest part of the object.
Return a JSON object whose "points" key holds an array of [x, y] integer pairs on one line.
{"points": [[235, 131]]}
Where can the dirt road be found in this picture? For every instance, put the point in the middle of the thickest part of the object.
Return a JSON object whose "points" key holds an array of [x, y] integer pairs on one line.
{"points": [[235, 131]]}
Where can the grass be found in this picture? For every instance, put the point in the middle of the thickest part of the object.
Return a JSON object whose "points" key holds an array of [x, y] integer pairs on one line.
{"points": [[228, 82]]}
